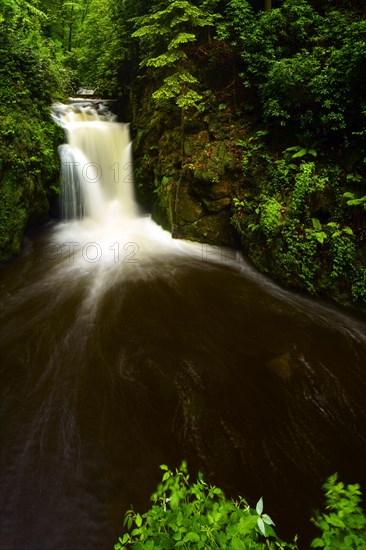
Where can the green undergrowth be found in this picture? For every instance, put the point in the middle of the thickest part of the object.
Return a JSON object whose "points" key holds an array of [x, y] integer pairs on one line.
{"points": [[32, 76], [187, 514], [300, 220]]}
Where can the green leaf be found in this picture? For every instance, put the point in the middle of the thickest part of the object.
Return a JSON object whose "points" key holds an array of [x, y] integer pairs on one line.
{"points": [[300, 153], [335, 521], [247, 524], [165, 59], [320, 236], [181, 38], [317, 543], [357, 202], [316, 224], [191, 537], [138, 520], [261, 526], [174, 501], [267, 519], [236, 544], [259, 507]]}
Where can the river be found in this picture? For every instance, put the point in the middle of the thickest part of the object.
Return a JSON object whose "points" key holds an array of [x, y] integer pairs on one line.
{"points": [[122, 349]]}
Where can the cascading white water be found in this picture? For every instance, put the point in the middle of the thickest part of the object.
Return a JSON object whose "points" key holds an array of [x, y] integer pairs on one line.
{"points": [[102, 230], [97, 176]]}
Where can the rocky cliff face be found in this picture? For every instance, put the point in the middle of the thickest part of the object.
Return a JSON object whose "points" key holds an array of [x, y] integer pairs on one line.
{"points": [[191, 178]]}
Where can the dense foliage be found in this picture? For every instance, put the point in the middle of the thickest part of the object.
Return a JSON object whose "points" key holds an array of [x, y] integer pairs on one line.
{"points": [[163, 35], [343, 525], [307, 205], [196, 515], [303, 215], [31, 73], [307, 68]]}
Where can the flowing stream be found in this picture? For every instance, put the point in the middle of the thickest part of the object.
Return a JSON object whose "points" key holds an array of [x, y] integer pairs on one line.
{"points": [[122, 349]]}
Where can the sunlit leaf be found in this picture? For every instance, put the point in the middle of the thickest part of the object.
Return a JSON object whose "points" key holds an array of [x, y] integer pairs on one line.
{"points": [[259, 506], [261, 526]]}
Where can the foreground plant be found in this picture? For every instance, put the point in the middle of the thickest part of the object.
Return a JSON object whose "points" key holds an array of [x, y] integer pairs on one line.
{"points": [[196, 515], [344, 525]]}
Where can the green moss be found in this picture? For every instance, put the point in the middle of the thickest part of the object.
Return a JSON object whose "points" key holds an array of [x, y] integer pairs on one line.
{"points": [[31, 76], [27, 174]]}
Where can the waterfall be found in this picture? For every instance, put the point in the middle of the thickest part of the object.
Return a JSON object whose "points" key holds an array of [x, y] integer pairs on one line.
{"points": [[97, 174], [102, 229]]}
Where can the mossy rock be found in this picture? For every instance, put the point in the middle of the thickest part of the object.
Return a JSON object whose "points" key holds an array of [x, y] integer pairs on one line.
{"points": [[216, 205], [189, 209], [20, 205], [213, 229]]}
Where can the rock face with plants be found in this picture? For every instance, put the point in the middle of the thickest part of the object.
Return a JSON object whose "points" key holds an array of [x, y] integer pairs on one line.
{"points": [[266, 136], [192, 194], [188, 168]]}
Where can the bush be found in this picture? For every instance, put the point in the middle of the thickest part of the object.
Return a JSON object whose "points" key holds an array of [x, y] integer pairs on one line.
{"points": [[196, 515], [344, 525], [31, 76]]}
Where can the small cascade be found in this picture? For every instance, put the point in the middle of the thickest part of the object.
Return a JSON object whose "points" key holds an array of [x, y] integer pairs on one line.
{"points": [[97, 175]]}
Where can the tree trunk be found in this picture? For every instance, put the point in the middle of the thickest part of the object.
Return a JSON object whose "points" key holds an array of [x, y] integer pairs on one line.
{"points": [[70, 29], [267, 5]]}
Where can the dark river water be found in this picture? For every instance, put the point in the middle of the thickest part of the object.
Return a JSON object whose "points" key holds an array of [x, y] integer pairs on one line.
{"points": [[110, 368]]}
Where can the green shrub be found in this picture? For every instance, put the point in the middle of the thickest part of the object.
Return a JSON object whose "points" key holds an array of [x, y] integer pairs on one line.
{"points": [[31, 76], [196, 515], [343, 526]]}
